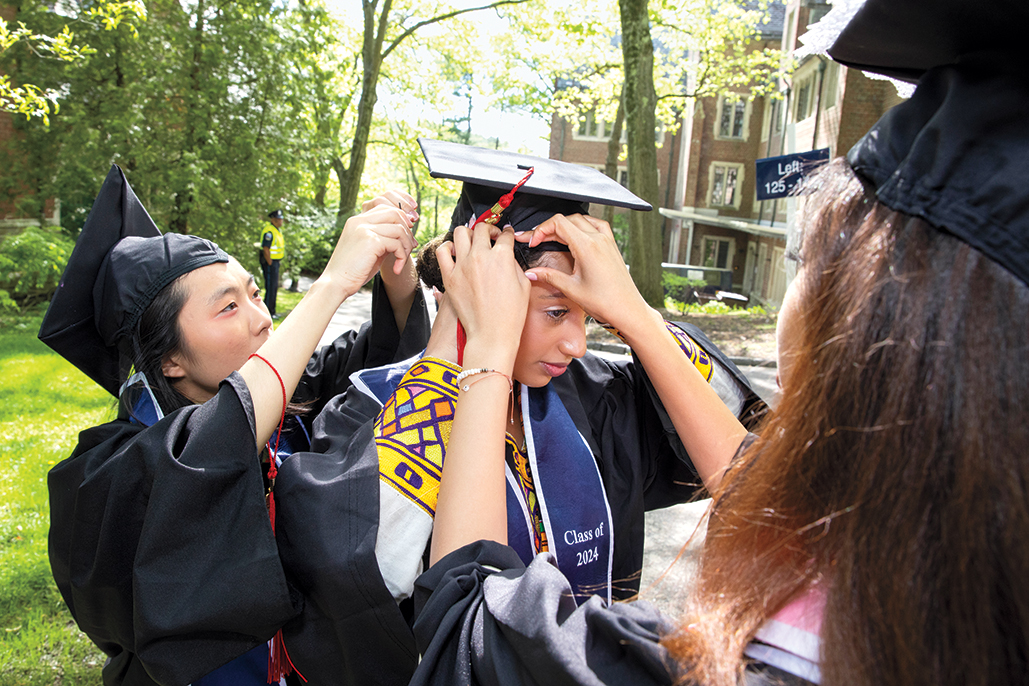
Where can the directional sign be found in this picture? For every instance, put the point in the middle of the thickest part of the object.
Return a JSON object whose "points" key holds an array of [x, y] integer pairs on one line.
{"points": [[776, 176]]}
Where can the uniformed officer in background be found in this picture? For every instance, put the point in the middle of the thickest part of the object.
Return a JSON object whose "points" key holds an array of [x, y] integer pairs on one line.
{"points": [[273, 249]]}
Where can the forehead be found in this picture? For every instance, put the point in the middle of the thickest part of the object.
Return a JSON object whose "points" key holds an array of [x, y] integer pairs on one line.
{"points": [[560, 261], [213, 278]]}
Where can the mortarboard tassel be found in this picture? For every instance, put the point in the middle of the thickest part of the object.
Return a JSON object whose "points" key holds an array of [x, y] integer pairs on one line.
{"points": [[492, 215]]}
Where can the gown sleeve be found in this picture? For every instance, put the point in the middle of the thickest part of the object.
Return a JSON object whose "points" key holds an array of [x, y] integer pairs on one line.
{"points": [[160, 542], [483, 618], [378, 342]]}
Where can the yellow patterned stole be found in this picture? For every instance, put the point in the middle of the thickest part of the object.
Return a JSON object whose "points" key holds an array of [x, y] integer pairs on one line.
{"points": [[412, 431], [523, 473]]}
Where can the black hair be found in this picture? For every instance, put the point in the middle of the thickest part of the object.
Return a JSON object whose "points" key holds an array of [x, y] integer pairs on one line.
{"points": [[155, 337], [428, 267]]}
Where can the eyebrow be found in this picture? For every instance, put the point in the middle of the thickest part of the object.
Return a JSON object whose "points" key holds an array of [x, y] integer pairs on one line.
{"points": [[227, 290]]}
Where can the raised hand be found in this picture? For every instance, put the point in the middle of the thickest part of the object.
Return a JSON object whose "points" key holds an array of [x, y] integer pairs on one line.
{"points": [[487, 288], [599, 282], [382, 231]]}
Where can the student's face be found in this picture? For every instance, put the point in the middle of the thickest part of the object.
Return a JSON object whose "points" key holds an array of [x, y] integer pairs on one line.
{"points": [[222, 322], [789, 327], [554, 332]]}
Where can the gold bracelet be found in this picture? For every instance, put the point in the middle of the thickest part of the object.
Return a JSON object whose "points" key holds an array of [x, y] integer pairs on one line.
{"points": [[480, 370]]}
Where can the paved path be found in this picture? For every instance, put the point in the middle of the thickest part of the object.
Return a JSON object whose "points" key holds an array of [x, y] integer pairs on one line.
{"points": [[668, 565]]}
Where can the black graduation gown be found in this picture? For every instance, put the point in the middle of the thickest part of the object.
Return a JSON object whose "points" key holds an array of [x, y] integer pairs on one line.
{"points": [[482, 617], [160, 541], [351, 630], [519, 626]]}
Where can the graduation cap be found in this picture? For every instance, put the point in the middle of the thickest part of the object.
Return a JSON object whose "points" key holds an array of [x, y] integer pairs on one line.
{"points": [[957, 152], [119, 265], [905, 38], [554, 187]]}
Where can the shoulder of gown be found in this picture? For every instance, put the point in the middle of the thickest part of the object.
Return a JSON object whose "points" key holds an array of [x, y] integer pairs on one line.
{"points": [[152, 531], [482, 617]]}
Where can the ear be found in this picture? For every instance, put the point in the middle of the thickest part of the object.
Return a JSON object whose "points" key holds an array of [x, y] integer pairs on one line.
{"points": [[172, 367]]}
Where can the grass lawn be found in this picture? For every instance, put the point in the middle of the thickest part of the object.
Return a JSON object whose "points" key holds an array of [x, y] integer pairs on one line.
{"points": [[44, 403]]}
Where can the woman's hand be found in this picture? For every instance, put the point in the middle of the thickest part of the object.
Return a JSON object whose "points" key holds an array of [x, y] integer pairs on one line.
{"points": [[381, 231], [399, 277], [487, 289], [599, 281]]}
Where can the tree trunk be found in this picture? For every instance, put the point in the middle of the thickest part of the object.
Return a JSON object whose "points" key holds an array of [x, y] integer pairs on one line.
{"points": [[371, 59], [640, 103], [614, 149], [179, 222]]}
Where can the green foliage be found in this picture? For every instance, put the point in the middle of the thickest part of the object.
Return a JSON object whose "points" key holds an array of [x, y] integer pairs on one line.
{"points": [[310, 240], [32, 100], [31, 264], [7, 306], [680, 289], [718, 307], [44, 403]]}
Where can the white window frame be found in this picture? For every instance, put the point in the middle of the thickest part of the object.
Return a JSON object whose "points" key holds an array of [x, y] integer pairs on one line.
{"points": [[804, 96], [742, 118], [737, 195], [830, 85], [730, 253], [623, 173], [598, 130]]}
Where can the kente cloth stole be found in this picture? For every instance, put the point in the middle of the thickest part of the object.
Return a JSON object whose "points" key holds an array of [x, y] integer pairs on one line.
{"points": [[559, 473], [518, 462]]}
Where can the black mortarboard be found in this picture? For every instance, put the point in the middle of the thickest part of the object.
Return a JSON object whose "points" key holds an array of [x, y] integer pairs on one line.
{"points": [[119, 264], [555, 187], [275, 214], [905, 38], [957, 152]]}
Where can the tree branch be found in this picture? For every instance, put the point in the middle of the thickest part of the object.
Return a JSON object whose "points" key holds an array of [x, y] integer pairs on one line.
{"points": [[444, 17]]}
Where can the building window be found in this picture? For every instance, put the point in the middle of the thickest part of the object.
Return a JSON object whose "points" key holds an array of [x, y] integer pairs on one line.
{"points": [[590, 126], [726, 179], [623, 177], [731, 117], [831, 85], [716, 253], [772, 123], [804, 98]]}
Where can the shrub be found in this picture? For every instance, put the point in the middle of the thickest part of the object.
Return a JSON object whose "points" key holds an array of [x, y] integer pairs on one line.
{"points": [[31, 264], [680, 289]]}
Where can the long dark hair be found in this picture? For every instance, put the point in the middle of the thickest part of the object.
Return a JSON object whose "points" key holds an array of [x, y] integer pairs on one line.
{"points": [[893, 470], [158, 335]]}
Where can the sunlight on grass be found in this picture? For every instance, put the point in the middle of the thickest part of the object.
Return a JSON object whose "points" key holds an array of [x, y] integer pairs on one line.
{"points": [[44, 403]]}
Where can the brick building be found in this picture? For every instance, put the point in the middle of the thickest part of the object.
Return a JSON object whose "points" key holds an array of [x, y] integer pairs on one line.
{"points": [[715, 228], [12, 219]]}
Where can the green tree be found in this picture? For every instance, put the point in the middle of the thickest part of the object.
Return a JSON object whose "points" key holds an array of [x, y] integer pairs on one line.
{"points": [[32, 100], [198, 110], [641, 121], [387, 25], [665, 54]]}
